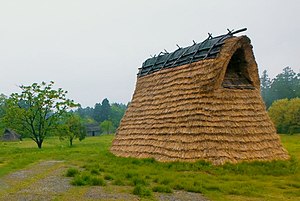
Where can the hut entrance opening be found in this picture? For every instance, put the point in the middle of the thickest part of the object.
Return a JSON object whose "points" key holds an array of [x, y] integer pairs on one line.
{"points": [[237, 76]]}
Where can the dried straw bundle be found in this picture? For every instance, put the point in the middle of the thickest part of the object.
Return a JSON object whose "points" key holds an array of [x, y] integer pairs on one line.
{"points": [[187, 114]]}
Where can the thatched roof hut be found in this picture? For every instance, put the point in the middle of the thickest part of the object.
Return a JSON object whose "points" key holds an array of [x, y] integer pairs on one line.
{"points": [[10, 135], [202, 102], [93, 129]]}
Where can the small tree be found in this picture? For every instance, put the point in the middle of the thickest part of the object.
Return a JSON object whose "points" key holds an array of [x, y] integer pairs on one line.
{"points": [[37, 110], [292, 116], [106, 126], [277, 114], [72, 128], [286, 115], [117, 112]]}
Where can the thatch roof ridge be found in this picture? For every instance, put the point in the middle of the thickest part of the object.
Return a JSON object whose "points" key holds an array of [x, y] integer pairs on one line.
{"points": [[209, 48]]}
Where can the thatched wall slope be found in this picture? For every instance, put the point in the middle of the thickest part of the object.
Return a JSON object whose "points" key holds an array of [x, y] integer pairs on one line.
{"points": [[186, 114]]}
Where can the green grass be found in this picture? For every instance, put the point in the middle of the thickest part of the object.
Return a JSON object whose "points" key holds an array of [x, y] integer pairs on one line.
{"points": [[277, 180], [162, 189], [72, 172]]}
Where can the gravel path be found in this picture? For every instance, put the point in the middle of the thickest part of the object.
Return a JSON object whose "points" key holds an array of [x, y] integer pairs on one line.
{"points": [[45, 182], [181, 196]]}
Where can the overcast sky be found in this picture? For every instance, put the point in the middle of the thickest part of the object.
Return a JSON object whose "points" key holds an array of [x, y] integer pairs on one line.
{"points": [[93, 48]]}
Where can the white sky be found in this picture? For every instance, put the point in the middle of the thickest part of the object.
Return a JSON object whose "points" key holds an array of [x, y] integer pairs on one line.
{"points": [[92, 48]]}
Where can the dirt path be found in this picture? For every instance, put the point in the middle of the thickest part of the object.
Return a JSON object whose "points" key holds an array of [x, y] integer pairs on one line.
{"points": [[45, 181]]}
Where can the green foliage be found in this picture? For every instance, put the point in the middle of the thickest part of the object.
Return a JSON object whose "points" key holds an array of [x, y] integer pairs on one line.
{"points": [[96, 181], [275, 180], [72, 128], [103, 112], [274, 168], [285, 114], [117, 113], [162, 189], [108, 177], [107, 127], [3, 100], [265, 86], [284, 85], [97, 112], [72, 172], [37, 110], [95, 171], [85, 113], [87, 179], [142, 191], [139, 181], [81, 180], [118, 182]]}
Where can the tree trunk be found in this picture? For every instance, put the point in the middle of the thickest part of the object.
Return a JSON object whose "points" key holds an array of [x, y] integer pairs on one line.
{"points": [[39, 143], [71, 142]]}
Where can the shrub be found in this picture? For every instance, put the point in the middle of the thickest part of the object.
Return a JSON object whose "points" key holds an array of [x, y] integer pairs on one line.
{"points": [[148, 160], [162, 189], [108, 177], [166, 181], [96, 181], [78, 181], [136, 161], [130, 175], [101, 169], [95, 172], [139, 181], [72, 172], [156, 180], [86, 179], [118, 182], [142, 191]]}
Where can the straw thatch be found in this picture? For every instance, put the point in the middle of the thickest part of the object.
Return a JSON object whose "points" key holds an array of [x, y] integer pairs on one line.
{"points": [[10, 135], [207, 110]]}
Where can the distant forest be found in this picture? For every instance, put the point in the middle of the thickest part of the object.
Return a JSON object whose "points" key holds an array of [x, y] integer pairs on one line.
{"points": [[284, 85], [107, 115]]}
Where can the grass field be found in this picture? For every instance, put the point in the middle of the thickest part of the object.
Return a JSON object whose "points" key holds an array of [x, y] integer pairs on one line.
{"points": [[92, 164]]}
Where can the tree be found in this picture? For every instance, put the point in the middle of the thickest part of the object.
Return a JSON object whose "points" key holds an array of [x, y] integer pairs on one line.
{"points": [[72, 128], [97, 112], [117, 112], [297, 85], [285, 84], [265, 86], [277, 113], [102, 111], [37, 110], [106, 126], [85, 112], [3, 99], [105, 110], [285, 114], [292, 116]]}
